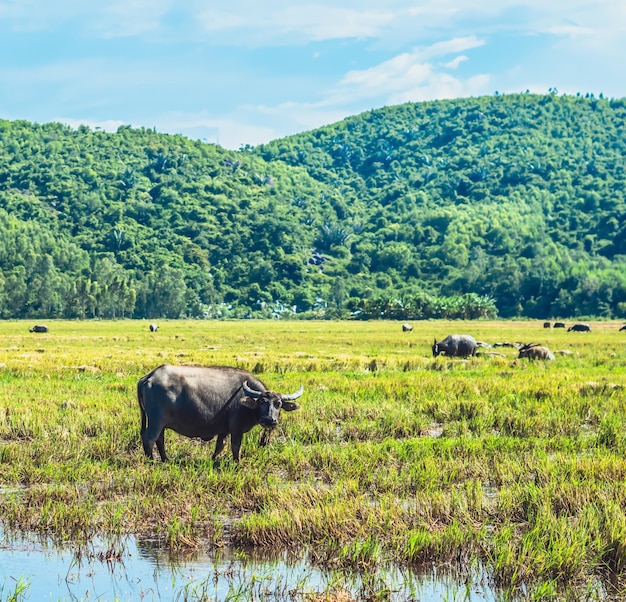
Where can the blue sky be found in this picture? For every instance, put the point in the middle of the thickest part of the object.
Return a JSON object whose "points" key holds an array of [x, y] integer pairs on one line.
{"points": [[244, 72]]}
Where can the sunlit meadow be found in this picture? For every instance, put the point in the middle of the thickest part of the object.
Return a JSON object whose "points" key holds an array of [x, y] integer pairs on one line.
{"points": [[394, 456]]}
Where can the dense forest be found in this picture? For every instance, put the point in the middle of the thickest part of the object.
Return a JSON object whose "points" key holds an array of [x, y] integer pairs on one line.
{"points": [[508, 205]]}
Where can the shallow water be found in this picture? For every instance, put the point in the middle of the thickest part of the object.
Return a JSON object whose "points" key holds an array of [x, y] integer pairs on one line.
{"points": [[131, 569]]}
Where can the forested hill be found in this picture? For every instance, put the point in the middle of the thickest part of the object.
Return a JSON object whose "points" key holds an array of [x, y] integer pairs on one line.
{"points": [[511, 204]]}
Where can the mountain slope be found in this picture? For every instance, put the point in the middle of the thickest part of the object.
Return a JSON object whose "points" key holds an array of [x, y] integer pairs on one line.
{"points": [[520, 197], [517, 200]]}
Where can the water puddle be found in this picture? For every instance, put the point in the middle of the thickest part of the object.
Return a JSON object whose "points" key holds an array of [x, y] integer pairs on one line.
{"points": [[34, 568]]}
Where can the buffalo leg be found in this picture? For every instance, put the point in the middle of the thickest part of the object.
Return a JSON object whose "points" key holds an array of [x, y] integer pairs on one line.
{"points": [[219, 445], [235, 444], [147, 447], [149, 437], [148, 444], [160, 442]]}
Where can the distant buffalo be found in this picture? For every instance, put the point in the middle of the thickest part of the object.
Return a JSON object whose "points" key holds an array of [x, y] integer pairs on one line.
{"points": [[532, 351], [407, 327], [154, 327], [455, 345], [547, 325], [622, 328], [579, 328], [559, 325], [39, 328]]}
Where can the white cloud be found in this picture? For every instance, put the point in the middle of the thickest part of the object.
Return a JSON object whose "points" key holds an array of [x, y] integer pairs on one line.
{"points": [[382, 53], [302, 23], [441, 85], [410, 76], [452, 46], [33, 15], [109, 125], [296, 116], [331, 22], [409, 71], [125, 18], [248, 22], [230, 131], [107, 18], [227, 132], [455, 62], [569, 30]]}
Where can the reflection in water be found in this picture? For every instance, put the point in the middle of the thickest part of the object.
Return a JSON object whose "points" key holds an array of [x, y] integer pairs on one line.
{"points": [[130, 568]]}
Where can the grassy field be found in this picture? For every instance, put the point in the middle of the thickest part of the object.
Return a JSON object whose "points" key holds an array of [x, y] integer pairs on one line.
{"points": [[394, 455]]}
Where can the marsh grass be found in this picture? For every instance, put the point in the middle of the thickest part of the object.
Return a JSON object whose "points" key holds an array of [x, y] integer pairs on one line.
{"points": [[394, 456], [14, 590]]}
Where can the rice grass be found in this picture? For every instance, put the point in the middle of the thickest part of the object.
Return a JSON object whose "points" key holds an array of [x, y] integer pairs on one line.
{"points": [[395, 456]]}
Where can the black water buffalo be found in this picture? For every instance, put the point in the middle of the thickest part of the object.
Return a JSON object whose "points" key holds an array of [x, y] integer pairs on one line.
{"points": [[559, 325], [455, 345], [39, 328], [622, 328], [154, 327], [547, 325], [533, 351], [407, 327], [198, 401], [579, 328]]}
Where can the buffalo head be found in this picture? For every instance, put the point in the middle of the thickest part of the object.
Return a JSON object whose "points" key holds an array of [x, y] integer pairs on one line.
{"points": [[269, 403]]}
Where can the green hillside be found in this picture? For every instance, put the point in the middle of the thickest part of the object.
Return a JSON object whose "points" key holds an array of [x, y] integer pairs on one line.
{"points": [[518, 197], [511, 204]]}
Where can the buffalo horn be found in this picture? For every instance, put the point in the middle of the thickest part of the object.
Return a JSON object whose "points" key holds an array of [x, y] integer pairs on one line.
{"points": [[293, 396], [251, 392]]}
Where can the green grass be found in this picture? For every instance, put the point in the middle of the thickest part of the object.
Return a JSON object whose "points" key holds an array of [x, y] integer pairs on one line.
{"points": [[395, 455]]}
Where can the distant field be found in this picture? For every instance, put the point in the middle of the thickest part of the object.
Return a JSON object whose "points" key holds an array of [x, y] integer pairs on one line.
{"points": [[394, 454]]}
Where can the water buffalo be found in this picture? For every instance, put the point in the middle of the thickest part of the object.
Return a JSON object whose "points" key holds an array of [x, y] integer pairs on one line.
{"points": [[198, 401], [533, 351], [622, 328], [559, 325], [154, 327], [39, 328], [579, 328], [547, 325], [407, 327], [455, 345]]}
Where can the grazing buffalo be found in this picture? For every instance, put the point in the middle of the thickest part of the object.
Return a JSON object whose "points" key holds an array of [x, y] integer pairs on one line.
{"points": [[533, 351], [39, 328], [455, 345], [154, 327], [559, 325], [205, 402], [407, 327], [579, 328], [622, 328], [547, 325]]}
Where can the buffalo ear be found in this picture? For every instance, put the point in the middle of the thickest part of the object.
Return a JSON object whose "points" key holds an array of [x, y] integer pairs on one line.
{"points": [[290, 406], [249, 402]]}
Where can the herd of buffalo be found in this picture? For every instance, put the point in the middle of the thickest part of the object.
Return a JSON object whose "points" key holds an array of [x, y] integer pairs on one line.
{"points": [[218, 401]]}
